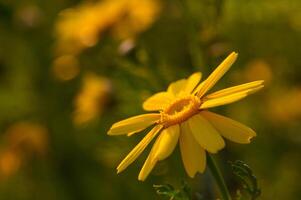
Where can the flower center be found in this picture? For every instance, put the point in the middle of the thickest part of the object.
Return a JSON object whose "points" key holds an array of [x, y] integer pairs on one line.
{"points": [[180, 110]]}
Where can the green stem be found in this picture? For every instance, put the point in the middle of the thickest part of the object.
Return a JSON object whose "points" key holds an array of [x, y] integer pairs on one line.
{"points": [[218, 178]]}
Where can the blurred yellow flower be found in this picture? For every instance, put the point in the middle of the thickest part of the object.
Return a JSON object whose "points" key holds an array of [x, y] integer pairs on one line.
{"points": [[258, 69], [91, 99], [9, 163], [65, 67], [184, 116], [22, 140], [291, 112], [81, 27], [27, 137]]}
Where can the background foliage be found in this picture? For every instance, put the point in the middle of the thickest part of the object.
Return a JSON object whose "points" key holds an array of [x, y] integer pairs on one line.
{"points": [[70, 68]]}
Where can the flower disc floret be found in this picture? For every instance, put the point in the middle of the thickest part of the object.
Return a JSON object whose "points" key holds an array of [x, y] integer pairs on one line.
{"points": [[180, 110]]}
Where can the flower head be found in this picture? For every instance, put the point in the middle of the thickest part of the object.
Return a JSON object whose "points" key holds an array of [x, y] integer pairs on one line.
{"points": [[183, 116], [82, 26]]}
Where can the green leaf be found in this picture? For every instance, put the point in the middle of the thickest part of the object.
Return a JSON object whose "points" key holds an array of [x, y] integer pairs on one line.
{"points": [[248, 180], [184, 193]]}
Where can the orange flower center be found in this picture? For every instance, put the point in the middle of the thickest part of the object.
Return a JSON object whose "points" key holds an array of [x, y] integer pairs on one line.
{"points": [[180, 110]]}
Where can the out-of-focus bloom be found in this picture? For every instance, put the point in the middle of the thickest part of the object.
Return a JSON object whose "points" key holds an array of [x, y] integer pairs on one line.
{"points": [[65, 67], [258, 69], [22, 140], [27, 137], [295, 21], [29, 16], [184, 116], [81, 27], [90, 101], [285, 109], [9, 163]]}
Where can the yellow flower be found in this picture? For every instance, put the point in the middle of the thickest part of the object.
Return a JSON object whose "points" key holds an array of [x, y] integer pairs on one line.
{"points": [[82, 26], [22, 141], [183, 116], [90, 101], [65, 67]]}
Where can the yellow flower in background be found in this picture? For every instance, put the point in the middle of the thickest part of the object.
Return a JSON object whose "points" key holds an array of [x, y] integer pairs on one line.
{"points": [[65, 67], [90, 101], [10, 163], [139, 15], [27, 137], [183, 116], [81, 27], [291, 112], [22, 140]]}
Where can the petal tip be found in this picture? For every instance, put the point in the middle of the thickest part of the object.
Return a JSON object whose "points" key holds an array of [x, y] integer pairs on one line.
{"points": [[109, 132], [145, 106], [234, 53], [142, 177], [191, 175], [251, 138]]}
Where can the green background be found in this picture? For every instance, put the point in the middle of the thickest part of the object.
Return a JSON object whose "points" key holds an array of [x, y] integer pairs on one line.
{"points": [[187, 36]]}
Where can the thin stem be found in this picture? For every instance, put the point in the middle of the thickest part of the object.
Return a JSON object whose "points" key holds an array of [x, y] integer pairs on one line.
{"points": [[218, 178]]}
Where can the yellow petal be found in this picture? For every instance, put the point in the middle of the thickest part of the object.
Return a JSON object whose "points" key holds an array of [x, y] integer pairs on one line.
{"points": [[168, 140], [227, 99], [132, 156], [205, 134], [149, 163], [175, 88], [163, 147], [235, 89], [192, 82], [229, 128], [133, 132], [217, 74], [209, 103], [193, 155], [197, 89], [158, 101], [134, 124]]}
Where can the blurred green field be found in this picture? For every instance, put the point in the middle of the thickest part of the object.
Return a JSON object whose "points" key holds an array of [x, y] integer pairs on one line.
{"points": [[69, 69]]}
